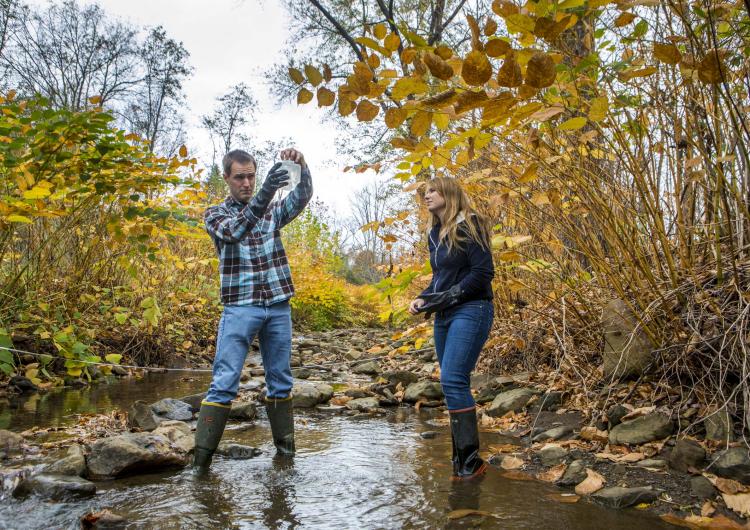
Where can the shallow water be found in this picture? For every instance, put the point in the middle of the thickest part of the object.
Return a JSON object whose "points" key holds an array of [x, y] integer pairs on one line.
{"points": [[349, 472]]}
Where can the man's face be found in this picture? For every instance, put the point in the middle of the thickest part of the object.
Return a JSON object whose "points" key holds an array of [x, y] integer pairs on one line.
{"points": [[241, 181]]}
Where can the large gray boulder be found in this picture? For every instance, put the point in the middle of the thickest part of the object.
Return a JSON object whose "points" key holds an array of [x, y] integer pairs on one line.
{"points": [[178, 433], [511, 401], [55, 487], [172, 409], [73, 464], [627, 349], [367, 368], [618, 497], [423, 390], [306, 395], [130, 453], [685, 455], [642, 429], [733, 463], [363, 404], [194, 401], [401, 376], [243, 411], [10, 443], [719, 426], [574, 474]]}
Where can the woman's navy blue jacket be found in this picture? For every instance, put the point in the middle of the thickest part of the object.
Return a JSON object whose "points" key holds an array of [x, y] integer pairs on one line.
{"points": [[470, 266]]}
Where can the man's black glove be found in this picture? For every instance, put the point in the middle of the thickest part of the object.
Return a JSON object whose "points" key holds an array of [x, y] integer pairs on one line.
{"points": [[435, 302], [277, 178]]}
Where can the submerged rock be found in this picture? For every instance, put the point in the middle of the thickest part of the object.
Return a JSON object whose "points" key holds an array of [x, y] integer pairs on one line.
{"points": [[617, 497], [641, 430], [511, 401], [130, 453], [423, 390], [56, 487], [235, 451]]}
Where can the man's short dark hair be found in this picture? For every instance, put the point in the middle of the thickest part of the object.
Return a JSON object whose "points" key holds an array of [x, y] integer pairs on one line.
{"points": [[239, 156]]}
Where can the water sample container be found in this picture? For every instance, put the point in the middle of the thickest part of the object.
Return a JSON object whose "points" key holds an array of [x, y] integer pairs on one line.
{"points": [[295, 171]]}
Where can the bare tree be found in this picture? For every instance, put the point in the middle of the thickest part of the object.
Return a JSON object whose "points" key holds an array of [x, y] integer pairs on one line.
{"points": [[153, 108], [224, 124], [70, 53]]}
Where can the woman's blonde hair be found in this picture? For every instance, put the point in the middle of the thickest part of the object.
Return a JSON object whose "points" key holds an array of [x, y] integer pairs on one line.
{"points": [[458, 207]]}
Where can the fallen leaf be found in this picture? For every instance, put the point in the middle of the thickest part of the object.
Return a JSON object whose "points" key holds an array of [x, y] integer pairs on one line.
{"points": [[592, 483], [502, 448], [635, 413], [740, 503], [593, 434], [708, 509], [514, 474], [553, 474], [511, 462], [627, 458]]}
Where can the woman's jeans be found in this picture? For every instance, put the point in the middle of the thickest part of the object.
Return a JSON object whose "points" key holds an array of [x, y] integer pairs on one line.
{"points": [[460, 333], [238, 327]]}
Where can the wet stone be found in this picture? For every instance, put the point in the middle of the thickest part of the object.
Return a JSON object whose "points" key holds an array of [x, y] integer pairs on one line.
{"points": [[687, 454], [574, 474], [401, 376], [301, 373], [363, 404], [652, 463], [357, 393], [641, 430], [56, 487], [733, 463], [555, 433], [330, 408], [253, 385], [73, 464], [428, 435], [194, 401], [172, 409], [614, 415], [719, 427], [243, 411], [551, 400], [126, 453], [367, 368], [10, 443], [423, 390], [308, 395], [702, 488], [551, 455], [511, 401], [140, 416], [618, 497]]}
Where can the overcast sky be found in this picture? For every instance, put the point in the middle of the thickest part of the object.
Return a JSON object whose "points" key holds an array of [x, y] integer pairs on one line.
{"points": [[230, 42]]}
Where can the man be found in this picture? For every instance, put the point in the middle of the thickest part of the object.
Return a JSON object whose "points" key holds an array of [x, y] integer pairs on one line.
{"points": [[256, 286]]}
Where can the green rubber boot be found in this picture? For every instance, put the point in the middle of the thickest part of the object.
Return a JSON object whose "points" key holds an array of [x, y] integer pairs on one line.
{"points": [[211, 421], [281, 417]]}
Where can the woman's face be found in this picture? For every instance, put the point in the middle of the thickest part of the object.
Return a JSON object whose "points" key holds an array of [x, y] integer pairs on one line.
{"points": [[434, 201]]}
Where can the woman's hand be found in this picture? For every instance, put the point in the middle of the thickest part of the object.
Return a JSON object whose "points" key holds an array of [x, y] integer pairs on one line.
{"points": [[415, 305]]}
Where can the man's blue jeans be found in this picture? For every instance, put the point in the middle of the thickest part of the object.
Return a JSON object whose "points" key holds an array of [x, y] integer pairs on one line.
{"points": [[460, 333], [238, 327]]}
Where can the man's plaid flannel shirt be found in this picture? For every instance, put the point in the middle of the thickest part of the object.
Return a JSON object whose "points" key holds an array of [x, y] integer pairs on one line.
{"points": [[252, 260]]}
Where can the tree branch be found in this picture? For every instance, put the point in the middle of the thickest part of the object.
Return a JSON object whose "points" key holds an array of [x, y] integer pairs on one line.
{"points": [[448, 21], [339, 28]]}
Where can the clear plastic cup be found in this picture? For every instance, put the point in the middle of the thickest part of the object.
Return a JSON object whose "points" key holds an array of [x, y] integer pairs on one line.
{"points": [[295, 172]]}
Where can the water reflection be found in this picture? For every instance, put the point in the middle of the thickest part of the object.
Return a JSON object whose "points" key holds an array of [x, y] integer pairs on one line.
{"points": [[280, 494]]}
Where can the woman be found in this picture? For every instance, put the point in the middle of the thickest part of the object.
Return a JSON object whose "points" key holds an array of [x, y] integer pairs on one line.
{"points": [[460, 295]]}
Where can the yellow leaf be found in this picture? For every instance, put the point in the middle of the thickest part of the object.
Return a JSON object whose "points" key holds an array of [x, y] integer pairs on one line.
{"points": [[496, 48], [437, 66], [599, 108], [366, 111], [592, 483], [325, 97], [407, 86], [540, 71], [510, 72], [313, 75], [420, 123], [476, 69], [573, 124], [296, 76], [667, 53], [392, 42], [711, 69], [346, 106], [632, 73], [546, 113], [395, 117], [624, 19], [570, 4], [304, 96], [95, 100], [183, 151], [380, 31], [441, 120], [373, 45], [519, 23], [18, 219], [37, 192], [539, 198]]}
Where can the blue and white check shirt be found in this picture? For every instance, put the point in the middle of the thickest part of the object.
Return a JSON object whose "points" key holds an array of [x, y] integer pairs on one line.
{"points": [[252, 260]]}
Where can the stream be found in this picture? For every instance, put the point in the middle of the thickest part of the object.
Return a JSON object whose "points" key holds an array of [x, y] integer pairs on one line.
{"points": [[349, 472]]}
